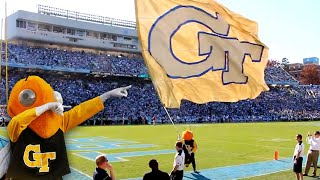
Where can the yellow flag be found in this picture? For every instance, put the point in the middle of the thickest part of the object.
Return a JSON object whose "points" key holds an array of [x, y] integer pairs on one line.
{"points": [[200, 51]]}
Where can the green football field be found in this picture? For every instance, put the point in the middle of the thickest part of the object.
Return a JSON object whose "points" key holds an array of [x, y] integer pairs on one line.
{"points": [[129, 148]]}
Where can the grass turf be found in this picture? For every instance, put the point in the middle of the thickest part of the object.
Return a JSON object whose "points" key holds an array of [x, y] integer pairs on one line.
{"points": [[219, 145], [285, 175]]}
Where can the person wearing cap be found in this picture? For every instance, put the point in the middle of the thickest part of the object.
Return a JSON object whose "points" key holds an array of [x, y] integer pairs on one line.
{"points": [[155, 173], [178, 164], [313, 152], [102, 165]]}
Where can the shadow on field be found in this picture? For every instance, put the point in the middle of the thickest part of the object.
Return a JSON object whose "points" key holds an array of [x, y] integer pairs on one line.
{"points": [[197, 177]]}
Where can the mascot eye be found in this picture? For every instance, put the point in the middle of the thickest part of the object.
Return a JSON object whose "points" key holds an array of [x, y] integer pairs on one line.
{"points": [[27, 97]]}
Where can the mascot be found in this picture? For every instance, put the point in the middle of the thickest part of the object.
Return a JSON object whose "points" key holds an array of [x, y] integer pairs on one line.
{"points": [[36, 130], [189, 147]]}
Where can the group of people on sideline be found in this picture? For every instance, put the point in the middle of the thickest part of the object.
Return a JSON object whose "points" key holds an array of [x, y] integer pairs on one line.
{"points": [[177, 171], [312, 155], [181, 158], [156, 174]]}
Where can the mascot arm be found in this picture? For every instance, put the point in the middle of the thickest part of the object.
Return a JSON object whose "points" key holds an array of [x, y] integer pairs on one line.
{"points": [[81, 113], [20, 122], [195, 147]]}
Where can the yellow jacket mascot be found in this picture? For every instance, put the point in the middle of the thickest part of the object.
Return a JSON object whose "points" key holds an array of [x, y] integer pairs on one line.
{"points": [[189, 147], [37, 128]]}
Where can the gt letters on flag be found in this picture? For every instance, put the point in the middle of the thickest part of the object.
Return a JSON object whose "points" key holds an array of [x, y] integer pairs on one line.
{"points": [[200, 51]]}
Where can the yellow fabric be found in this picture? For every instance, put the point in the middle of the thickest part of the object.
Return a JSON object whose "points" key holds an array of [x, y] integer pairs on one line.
{"points": [[195, 147], [20, 122], [71, 118], [42, 90], [209, 86], [48, 123], [81, 113]]}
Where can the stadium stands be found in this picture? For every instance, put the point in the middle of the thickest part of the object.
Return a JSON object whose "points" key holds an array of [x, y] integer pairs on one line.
{"points": [[280, 103], [104, 63], [78, 60], [277, 75], [294, 103]]}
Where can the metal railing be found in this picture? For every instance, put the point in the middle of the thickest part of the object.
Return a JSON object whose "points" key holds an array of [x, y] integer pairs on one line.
{"points": [[52, 11]]}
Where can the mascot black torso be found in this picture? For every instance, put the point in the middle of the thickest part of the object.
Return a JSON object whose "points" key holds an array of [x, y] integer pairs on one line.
{"points": [[49, 165], [189, 145]]}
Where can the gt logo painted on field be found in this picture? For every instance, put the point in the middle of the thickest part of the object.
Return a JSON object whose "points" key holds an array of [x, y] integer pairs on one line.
{"points": [[102, 143], [38, 159], [90, 148], [219, 51]]}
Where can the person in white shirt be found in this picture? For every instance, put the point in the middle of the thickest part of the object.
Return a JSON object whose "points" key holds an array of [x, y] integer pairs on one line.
{"points": [[297, 157], [313, 153], [178, 164]]}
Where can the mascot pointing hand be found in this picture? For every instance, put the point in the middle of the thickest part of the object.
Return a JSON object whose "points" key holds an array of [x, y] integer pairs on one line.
{"points": [[37, 128]]}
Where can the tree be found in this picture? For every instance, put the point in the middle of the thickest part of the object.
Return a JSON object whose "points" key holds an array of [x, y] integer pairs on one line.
{"points": [[310, 74], [273, 63], [285, 61]]}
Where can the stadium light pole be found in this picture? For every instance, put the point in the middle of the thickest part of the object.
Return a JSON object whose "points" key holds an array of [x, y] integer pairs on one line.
{"points": [[6, 41]]}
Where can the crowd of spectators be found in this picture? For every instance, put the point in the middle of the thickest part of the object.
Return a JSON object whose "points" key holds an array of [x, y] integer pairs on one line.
{"points": [[277, 75], [142, 104], [76, 59], [280, 103], [107, 63]]}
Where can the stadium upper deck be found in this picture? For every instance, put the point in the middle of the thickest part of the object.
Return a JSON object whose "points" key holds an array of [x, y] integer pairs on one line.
{"points": [[59, 26]]}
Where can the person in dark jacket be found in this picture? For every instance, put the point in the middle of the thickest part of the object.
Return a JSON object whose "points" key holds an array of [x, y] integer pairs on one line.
{"points": [[155, 173]]}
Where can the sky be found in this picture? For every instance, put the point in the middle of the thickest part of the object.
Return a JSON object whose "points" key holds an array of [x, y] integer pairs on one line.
{"points": [[290, 28]]}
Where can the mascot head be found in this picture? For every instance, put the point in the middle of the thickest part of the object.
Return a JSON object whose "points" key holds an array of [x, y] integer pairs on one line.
{"points": [[187, 135], [32, 92]]}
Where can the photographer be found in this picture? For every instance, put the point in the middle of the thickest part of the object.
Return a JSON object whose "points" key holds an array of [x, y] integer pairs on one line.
{"points": [[313, 153], [101, 173]]}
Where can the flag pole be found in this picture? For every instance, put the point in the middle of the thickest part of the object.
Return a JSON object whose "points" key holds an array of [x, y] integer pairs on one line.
{"points": [[1, 53], [179, 137], [6, 41], [149, 72]]}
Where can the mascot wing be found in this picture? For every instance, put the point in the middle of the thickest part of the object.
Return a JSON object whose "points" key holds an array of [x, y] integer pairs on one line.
{"points": [[81, 113], [195, 147]]}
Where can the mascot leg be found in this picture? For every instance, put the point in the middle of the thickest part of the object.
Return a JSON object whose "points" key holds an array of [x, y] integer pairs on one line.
{"points": [[193, 161], [187, 157]]}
